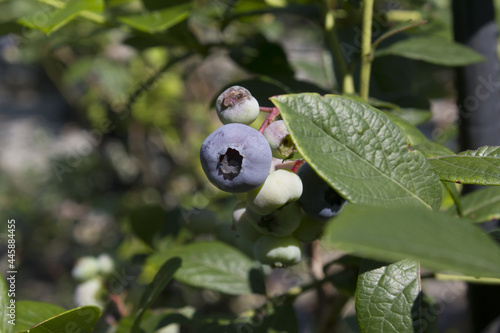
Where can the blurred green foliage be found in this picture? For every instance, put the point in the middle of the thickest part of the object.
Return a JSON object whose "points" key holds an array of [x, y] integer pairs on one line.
{"points": [[139, 79]]}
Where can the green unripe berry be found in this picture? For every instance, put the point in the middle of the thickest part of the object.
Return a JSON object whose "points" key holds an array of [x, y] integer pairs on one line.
{"points": [[243, 228], [281, 187], [237, 105], [309, 229], [280, 222], [278, 251]]}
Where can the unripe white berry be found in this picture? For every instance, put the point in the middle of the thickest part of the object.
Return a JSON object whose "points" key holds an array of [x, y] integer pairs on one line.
{"points": [[237, 105], [281, 187]]}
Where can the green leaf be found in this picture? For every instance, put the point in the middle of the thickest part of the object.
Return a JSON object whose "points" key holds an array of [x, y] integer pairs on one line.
{"points": [[30, 313], [161, 279], [433, 50], [432, 149], [258, 55], [455, 196], [482, 205], [158, 20], [5, 326], [387, 297], [414, 116], [481, 167], [439, 241], [63, 15], [82, 319], [282, 320], [359, 151], [216, 266], [414, 135]]}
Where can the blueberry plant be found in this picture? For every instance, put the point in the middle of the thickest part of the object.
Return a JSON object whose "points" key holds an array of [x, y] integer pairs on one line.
{"points": [[326, 184]]}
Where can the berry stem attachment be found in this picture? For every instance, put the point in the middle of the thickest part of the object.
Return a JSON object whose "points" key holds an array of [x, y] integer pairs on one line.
{"points": [[266, 109], [297, 165], [274, 113]]}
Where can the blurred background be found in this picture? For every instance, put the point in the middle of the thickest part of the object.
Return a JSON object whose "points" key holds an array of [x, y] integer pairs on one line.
{"points": [[103, 111]]}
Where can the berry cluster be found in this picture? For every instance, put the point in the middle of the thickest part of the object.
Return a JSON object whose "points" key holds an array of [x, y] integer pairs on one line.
{"points": [[239, 159]]}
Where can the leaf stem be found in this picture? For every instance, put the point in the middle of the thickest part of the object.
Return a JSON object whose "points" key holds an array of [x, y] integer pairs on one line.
{"points": [[347, 81], [366, 49]]}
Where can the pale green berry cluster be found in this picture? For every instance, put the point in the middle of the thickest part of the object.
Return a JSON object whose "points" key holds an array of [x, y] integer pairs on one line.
{"points": [[237, 159]]}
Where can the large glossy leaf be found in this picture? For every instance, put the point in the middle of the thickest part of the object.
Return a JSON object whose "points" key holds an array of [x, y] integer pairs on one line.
{"points": [[30, 313], [482, 205], [439, 241], [214, 265], [82, 319], [434, 50], [158, 20], [359, 151], [388, 297], [5, 326], [161, 279], [50, 22], [481, 167]]}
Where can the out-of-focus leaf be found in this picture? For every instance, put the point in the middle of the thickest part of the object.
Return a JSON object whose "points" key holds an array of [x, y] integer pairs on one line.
{"points": [[434, 50], [82, 319], [282, 320], [158, 20], [152, 223], [260, 56], [387, 297], [373, 164], [439, 241], [177, 35], [482, 205], [160, 4], [216, 266], [63, 15], [161, 279], [481, 166], [414, 116], [30, 313]]}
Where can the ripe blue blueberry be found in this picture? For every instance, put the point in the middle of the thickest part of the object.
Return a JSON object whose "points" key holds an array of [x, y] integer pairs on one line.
{"points": [[237, 105], [236, 158], [318, 199]]}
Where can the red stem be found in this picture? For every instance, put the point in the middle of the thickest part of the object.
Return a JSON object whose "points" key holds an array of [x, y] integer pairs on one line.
{"points": [[297, 165], [274, 113], [266, 109]]}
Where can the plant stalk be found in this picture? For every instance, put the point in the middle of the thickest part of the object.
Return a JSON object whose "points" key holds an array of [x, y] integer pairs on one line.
{"points": [[366, 49], [346, 79]]}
